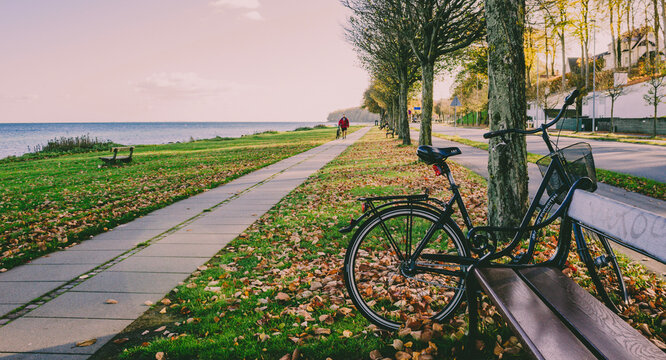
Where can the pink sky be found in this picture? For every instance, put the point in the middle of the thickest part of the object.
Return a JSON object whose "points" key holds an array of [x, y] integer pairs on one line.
{"points": [[174, 60]]}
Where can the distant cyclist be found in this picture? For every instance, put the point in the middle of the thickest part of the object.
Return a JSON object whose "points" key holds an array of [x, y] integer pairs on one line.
{"points": [[343, 124]]}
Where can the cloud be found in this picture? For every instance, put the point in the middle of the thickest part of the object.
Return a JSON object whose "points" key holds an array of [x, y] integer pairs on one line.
{"points": [[236, 4], [176, 85], [18, 98], [254, 15]]}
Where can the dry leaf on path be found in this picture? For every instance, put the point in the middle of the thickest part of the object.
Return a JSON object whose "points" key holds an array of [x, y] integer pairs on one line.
{"points": [[111, 301], [86, 342]]}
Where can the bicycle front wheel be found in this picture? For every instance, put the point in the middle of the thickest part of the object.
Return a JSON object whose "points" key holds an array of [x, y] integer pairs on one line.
{"points": [[602, 267], [377, 274]]}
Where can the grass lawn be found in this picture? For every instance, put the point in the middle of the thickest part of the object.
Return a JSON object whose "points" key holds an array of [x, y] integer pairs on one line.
{"points": [[276, 291], [48, 204]]}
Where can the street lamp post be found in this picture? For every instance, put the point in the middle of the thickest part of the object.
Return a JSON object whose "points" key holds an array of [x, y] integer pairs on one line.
{"points": [[594, 75]]}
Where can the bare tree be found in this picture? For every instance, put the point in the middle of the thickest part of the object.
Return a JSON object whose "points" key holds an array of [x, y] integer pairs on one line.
{"points": [[437, 28], [376, 31], [654, 96], [613, 90]]}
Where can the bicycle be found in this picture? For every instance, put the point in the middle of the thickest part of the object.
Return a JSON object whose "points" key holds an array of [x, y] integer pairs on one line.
{"points": [[409, 258]]}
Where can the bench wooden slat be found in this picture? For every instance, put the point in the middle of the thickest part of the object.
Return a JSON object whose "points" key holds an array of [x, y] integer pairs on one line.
{"points": [[541, 331], [604, 330], [639, 229]]}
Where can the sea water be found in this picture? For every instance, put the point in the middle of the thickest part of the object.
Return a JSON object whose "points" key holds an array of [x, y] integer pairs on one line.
{"points": [[17, 139]]}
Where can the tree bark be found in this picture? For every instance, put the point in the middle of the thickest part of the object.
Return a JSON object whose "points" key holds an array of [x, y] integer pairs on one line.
{"points": [[612, 29], [428, 74], [403, 129], [564, 60], [507, 186], [612, 130]]}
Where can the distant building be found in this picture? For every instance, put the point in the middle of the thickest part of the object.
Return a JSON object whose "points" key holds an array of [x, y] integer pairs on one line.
{"points": [[639, 43]]}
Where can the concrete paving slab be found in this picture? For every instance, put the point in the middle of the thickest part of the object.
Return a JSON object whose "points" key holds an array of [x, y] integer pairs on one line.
{"points": [[197, 228], [110, 244], [33, 356], [21, 293], [57, 335], [129, 233], [179, 250], [92, 305], [70, 257], [32, 272], [5, 308], [220, 219], [189, 238], [184, 265], [131, 282]]}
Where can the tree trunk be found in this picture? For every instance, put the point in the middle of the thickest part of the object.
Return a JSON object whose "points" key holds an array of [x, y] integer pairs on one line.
{"points": [[507, 167], [631, 38], [612, 29], [618, 29], [663, 17], [612, 129], [564, 61], [655, 8], [403, 127], [428, 74]]}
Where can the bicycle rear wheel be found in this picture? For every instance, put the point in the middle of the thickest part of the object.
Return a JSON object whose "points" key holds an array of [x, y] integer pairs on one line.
{"points": [[377, 277], [602, 267]]}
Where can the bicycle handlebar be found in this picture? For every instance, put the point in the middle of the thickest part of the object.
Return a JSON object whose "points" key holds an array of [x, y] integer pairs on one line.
{"points": [[567, 101]]}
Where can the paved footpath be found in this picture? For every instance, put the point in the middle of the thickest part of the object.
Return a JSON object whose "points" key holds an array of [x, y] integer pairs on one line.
{"points": [[63, 295]]}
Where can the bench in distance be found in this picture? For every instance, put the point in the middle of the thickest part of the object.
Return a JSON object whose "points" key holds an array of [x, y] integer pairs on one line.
{"points": [[116, 158]]}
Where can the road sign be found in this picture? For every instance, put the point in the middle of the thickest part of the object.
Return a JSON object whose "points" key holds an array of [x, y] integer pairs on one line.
{"points": [[455, 102], [417, 108]]}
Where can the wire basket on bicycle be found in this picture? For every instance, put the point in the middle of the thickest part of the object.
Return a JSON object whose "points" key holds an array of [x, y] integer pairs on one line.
{"points": [[577, 160]]}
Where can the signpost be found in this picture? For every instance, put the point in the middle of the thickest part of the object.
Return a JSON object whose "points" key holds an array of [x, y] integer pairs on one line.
{"points": [[455, 103]]}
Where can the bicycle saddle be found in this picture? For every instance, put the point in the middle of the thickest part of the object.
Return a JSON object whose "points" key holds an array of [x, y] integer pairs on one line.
{"points": [[432, 155]]}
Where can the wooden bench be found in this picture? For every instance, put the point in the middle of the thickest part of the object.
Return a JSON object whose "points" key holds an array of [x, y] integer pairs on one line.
{"points": [[553, 317], [390, 131], [115, 158]]}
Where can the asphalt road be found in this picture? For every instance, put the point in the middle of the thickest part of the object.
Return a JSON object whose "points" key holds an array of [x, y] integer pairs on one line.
{"points": [[648, 161]]}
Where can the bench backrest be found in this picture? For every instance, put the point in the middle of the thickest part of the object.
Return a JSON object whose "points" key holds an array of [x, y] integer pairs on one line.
{"points": [[635, 228]]}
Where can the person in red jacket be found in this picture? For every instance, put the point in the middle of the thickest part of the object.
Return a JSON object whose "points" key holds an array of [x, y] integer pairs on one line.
{"points": [[343, 124]]}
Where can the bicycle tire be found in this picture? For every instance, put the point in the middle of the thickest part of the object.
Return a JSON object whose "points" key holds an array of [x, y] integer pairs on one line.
{"points": [[602, 267], [374, 273], [540, 234]]}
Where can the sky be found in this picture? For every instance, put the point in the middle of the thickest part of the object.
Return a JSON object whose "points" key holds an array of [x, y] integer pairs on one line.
{"points": [[177, 60]]}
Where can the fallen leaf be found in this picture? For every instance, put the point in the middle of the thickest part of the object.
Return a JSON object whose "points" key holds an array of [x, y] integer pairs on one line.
{"points": [[282, 297], [120, 341], [86, 342], [159, 355], [166, 301], [322, 331], [111, 301], [397, 344], [148, 303], [347, 333], [401, 355], [161, 328], [376, 355]]}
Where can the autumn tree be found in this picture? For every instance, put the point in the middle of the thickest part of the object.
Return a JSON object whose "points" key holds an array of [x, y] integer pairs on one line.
{"points": [[507, 167]]}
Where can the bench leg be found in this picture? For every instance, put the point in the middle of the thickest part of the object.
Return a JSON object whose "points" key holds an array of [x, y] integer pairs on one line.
{"points": [[472, 312]]}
